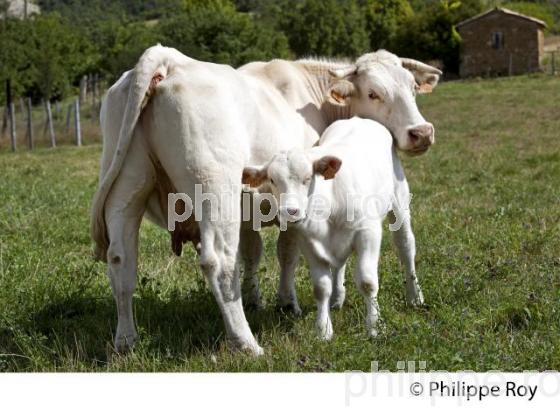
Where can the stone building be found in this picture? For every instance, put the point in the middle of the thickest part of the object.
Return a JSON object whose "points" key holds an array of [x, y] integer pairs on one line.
{"points": [[501, 42]]}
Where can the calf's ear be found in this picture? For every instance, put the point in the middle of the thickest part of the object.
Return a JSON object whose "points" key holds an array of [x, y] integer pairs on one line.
{"points": [[254, 176], [327, 166], [340, 92]]}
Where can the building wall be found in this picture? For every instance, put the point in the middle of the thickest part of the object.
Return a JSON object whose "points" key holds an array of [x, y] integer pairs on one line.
{"points": [[522, 47]]}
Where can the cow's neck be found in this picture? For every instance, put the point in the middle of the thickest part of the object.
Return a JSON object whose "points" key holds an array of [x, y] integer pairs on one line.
{"points": [[319, 80]]}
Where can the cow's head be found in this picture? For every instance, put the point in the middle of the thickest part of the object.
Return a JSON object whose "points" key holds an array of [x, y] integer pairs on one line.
{"points": [[291, 177], [383, 87]]}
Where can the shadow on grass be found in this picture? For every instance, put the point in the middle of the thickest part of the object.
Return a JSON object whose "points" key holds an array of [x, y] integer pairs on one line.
{"points": [[80, 329]]}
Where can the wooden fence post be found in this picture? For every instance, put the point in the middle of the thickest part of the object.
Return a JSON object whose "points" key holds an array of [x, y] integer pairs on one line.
{"points": [[77, 122], [29, 125], [69, 117], [49, 123], [11, 114], [4, 122], [83, 89], [13, 126], [93, 97]]}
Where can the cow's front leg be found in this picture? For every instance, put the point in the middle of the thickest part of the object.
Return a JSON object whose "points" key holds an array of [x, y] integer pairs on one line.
{"points": [[404, 241], [287, 251], [251, 250]]}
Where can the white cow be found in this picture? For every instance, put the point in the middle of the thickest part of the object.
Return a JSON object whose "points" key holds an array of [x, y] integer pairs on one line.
{"points": [[173, 123], [335, 196]]}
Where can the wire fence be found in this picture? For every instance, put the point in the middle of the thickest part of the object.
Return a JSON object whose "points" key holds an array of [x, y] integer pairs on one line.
{"points": [[74, 120]]}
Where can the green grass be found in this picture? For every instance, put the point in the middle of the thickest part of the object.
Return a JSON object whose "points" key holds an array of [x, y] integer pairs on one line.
{"points": [[486, 212]]}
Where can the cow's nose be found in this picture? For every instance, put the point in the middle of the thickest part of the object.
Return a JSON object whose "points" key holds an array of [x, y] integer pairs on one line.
{"points": [[422, 136]]}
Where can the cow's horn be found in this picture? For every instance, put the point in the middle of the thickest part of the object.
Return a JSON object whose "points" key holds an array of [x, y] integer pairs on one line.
{"points": [[419, 66], [343, 72]]}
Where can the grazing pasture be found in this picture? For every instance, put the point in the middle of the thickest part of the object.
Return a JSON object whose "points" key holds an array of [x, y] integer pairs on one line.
{"points": [[486, 214]]}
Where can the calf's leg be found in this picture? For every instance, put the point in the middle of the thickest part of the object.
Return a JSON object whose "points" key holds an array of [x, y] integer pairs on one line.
{"points": [[367, 245], [287, 251], [339, 290], [404, 242], [251, 247]]}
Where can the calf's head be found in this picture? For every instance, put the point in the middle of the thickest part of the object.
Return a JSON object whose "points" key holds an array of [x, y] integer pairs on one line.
{"points": [[291, 178], [383, 87]]}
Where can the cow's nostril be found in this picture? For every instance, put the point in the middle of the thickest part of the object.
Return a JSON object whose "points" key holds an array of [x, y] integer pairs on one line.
{"points": [[413, 136], [292, 211]]}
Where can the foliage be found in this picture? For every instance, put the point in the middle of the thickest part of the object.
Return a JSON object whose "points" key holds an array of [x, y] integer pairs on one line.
{"points": [[46, 55], [43, 56], [431, 34], [322, 27], [215, 31], [384, 18], [542, 11]]}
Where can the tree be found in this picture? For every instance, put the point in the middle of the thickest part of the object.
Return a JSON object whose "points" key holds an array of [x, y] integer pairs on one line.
{"points": [[216, 31], [431, 34], [383, 20], [323, 27]]}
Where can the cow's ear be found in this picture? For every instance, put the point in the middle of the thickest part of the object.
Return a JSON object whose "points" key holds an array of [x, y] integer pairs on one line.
{"points": [[340, 92], [327, 166], [426, 76], [254, 176]]}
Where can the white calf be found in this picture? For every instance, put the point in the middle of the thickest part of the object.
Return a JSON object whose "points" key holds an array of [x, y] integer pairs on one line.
{"points": [[335, 216]]}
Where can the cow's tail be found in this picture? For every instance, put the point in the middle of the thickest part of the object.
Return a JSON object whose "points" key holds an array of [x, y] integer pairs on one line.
{"points": [[152, 67]]}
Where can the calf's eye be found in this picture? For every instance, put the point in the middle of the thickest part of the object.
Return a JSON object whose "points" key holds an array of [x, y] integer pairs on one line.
{"points": [[373, 96]]}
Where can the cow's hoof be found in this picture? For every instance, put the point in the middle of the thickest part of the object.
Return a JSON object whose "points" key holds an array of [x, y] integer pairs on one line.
{"points": [[290, 307], [375, 330], [253, 305], [125, 343], [252, 349], [414, 296], [416, 301]]}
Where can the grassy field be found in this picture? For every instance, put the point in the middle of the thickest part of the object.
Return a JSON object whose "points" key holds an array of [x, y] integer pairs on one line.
{"points": [[486, 211]]}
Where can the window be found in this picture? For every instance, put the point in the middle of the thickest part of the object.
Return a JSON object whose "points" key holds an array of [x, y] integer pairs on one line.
{"points": [[497, 40]]}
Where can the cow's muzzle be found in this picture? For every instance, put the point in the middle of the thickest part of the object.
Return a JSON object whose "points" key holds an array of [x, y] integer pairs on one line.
{"points": [[421, 137]]}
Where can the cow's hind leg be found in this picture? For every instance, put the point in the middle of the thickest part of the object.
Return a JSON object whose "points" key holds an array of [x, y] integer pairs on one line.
{"points": [[123, 213], [219, 231], [251, 247]]}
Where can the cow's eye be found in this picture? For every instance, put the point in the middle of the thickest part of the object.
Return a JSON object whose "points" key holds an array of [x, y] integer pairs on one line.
{"points": [[271, 181], [373, 96], [307, 180]]}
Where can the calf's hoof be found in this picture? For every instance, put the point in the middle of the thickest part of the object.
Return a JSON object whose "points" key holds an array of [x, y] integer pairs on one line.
{"points": [[325, 331]]}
